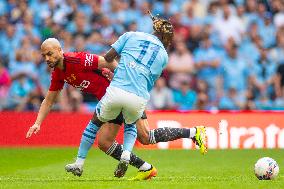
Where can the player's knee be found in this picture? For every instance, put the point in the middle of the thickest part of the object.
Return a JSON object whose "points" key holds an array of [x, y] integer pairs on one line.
{"points": [[143, 138], [95, 120]]}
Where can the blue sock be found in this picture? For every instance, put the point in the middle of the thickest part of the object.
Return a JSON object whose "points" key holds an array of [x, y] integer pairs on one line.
{"points": [[130, 135], [87, 140]]}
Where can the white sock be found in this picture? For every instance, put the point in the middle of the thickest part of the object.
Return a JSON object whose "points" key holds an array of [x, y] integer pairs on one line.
{"points": [[146, 166], [80, 161], [125, 156], [192, 132]]}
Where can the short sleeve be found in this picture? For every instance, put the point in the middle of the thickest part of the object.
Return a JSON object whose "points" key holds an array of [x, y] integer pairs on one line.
{"points": [[90, 61], [56, 82], [119, 44]]}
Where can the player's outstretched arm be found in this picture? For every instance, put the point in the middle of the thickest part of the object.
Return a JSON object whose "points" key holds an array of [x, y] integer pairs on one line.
{"points": [[108, 61], [111, 55], [43, 111]]}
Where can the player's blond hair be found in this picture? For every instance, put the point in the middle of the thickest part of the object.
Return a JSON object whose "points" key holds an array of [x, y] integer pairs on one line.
{"points": [[51, 41]]}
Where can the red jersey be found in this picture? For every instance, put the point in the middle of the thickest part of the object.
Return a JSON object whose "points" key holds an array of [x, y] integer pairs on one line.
{"points": [[81, 71]]}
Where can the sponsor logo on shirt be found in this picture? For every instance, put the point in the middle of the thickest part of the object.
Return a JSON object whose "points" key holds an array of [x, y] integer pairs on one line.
{"points": [[85, 84]]}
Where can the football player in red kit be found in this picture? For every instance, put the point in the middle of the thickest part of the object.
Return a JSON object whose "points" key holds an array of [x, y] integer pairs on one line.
{"points": [[82, 70]]}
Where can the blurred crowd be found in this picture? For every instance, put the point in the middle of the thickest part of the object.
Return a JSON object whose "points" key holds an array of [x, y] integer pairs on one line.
{"points": [[226, 55]]}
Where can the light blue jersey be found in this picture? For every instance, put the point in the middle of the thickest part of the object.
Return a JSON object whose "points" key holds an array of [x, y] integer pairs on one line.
{"points": [[143, 58]]}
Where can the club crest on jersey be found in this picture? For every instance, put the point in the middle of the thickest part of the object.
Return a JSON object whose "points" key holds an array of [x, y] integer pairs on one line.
{"points": [[89, 59], [71, 78]]}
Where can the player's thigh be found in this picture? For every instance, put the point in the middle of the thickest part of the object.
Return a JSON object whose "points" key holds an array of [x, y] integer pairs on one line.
{"points": [[143, 131], [133, 108], [106, 135], [109, 107]]}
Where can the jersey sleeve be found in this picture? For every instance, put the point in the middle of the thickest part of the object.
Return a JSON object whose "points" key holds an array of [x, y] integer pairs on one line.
{"points": [[89, 61], [56, 82], [119, 44]]}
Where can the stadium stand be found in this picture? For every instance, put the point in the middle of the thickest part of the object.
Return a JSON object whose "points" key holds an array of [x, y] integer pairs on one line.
{"points": [[225, 54]]}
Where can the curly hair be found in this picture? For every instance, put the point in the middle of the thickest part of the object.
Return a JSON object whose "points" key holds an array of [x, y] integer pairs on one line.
{"points": [[164, 28]]}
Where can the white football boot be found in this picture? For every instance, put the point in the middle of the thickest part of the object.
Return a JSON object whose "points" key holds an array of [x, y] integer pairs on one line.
{"points": [[75, 169]]}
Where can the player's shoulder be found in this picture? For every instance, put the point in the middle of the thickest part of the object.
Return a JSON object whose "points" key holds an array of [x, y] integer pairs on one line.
{"points": [[136, 34], [74, 54]]}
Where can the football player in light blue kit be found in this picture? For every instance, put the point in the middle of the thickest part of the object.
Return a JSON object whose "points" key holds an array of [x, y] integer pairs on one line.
{"points": [[143, 58]]}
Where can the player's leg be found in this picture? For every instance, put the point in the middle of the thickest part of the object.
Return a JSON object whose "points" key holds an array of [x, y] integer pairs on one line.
{"points": [[133, 107], [129, 135], [87, 140], [115, 99], [107, 143], [112, 104], [165, 134], [107, 111]]}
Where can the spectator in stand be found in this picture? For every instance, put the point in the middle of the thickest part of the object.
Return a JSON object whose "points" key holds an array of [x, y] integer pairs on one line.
{"points": [[251, 11], [80, 25], [202, 96], [267, 30], [144, 22], [181, 65], [165, 8], [241, 14], [279, 81], [9, 42], [234, 66], [198, 8], [28, 29], [5, 82], [263, 75], [189, 19], [249, 48], [181, 31], [184, 97], [117, 15], [279, 14], [263, 103], [93, 25], [19, 90], [30, 103], [231, 101], [229, 26], [97, 13], [276, 54], [67, 41], [161, 96], [207, 64], [96, 44], [195, 35]]}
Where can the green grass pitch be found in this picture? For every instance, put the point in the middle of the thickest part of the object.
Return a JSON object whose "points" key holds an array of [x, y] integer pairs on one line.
{"points": [[44, 168]]}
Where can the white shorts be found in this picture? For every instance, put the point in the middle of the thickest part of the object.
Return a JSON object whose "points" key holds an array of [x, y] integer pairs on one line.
{"points": [[117, 100]]}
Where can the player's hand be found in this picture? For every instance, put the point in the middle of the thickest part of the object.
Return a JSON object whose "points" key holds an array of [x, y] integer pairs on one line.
{"points": [[33, 129], [107, 73]]}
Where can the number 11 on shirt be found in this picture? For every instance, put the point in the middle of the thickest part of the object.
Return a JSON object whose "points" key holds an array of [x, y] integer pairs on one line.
{"points": [[145, 47]]}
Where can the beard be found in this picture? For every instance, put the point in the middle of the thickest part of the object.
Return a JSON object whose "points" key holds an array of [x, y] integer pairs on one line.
{"points": [[53, 64]]}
